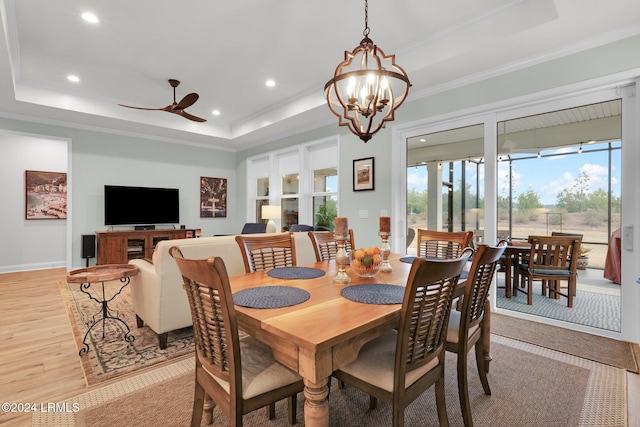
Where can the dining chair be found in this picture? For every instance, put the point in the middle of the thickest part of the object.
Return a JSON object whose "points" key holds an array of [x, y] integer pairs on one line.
{"points": [[443, 244], [466, 327], [238, 375], [549, 260], [577, 235], [325, 245], [398, 366], [300, 227], [267, 251]]}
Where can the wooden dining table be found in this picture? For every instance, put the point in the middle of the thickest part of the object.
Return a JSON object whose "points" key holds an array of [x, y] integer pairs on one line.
{"points": [[513, 252], [326, 331]]}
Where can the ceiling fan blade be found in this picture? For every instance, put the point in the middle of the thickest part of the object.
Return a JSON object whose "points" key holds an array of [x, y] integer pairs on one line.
{"points": [[167, 108], [187, 101], [188, 116]]}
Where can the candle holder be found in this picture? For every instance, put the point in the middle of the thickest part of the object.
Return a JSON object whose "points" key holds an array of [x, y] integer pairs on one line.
{"points": [[385, 250], [342, 259]]}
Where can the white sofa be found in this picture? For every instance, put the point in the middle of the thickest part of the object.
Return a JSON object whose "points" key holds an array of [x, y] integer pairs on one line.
{"points": [[157, 295]]}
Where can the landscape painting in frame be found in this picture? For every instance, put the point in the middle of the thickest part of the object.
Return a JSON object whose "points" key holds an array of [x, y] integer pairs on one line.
{"points": [[46, 195], [363, 174], [213, 197]]}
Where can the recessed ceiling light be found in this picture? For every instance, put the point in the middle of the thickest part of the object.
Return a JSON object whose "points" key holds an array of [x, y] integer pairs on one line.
{"points": [[90, 17], [216, 112], [270, 83], [73, 78]]}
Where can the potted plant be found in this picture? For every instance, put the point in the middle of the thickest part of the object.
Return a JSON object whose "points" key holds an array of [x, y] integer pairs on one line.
{"points": [[583, 259]]}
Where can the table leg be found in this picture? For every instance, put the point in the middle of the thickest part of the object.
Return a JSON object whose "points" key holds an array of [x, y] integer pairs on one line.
{"points": [[316, 405], [486, 333], [508, 268]]}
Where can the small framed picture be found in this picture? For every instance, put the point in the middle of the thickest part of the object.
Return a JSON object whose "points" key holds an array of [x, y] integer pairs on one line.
{"points": [[363, 174]]}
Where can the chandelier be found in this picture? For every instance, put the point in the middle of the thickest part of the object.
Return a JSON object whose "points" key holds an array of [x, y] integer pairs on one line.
{"points": [[367, 87]]}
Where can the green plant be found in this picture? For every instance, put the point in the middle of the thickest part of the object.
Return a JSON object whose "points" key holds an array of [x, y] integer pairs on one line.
{"points": [[327, 212]]}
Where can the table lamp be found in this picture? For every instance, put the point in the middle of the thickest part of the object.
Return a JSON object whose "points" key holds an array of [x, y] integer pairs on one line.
{"points": [[271, 212]]}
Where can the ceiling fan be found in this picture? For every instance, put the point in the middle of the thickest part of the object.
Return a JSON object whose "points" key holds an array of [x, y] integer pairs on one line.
{"points": [[177, 107]]}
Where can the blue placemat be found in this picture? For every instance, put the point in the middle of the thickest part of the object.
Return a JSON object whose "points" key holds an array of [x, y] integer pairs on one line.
{"points": [[270, 297], [295, 273], [375, 293]]}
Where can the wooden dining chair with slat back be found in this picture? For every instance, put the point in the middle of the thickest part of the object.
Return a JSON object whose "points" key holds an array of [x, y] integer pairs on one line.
{"points": [[400, 365], [238, 375], [443, 244], [325, 245], [549, 260], [264, 252], [576, 235], [466, 327]]}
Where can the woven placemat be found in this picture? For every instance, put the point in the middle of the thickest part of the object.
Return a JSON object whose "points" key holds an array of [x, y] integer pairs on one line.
{"points": [[374, 293], [270, 297], [295, 273]]}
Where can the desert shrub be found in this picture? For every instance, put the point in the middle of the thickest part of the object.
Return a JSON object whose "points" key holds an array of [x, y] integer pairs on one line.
{"points": [[595, 217]]}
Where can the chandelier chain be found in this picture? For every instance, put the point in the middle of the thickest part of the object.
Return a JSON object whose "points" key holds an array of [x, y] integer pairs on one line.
{"points": [[366, 19]]}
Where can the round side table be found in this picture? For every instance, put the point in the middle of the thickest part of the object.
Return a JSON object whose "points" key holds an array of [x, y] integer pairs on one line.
{"points": [[103, 273]]}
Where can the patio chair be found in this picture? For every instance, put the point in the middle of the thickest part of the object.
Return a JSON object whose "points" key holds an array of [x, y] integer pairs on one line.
{"points": [[549, 260]]}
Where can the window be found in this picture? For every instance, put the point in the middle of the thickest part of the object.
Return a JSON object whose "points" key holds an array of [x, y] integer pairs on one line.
{"points": [[302, 180], [325, 197]]}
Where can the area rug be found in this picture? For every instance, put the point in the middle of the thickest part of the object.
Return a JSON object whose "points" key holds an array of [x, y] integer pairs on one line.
{"points": [[531, 386], [593, 309], [599, 349], [112, 356]]}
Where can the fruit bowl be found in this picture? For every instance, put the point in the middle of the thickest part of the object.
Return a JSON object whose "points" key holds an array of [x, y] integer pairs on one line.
{"points": [[366, 262]]}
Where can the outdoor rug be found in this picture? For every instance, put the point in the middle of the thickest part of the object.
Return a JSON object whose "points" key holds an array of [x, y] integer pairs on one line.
{"points": [[112, 356], [531, 386], [599, 349], [589, 308]]}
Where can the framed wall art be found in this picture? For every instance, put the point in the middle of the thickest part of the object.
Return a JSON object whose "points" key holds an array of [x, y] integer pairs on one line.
{"points": [[363, 174], [213, 197], [45, 195]]}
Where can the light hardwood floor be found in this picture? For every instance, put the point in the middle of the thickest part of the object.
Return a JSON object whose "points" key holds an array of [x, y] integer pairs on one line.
{"points": [[39, 362]]}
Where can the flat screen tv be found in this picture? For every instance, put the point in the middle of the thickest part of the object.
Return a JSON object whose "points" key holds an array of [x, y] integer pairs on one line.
{"points": [[140, 205]]}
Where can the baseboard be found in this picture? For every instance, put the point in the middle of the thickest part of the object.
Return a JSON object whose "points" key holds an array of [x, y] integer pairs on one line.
{"points": [[29, 267]]}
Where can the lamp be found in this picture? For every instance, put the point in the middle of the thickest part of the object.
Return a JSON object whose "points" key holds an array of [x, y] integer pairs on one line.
{"points": [[271, 212], [367, 87]]}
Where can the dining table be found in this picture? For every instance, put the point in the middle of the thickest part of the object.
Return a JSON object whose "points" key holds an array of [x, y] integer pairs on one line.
{"points": [[513, 253], [324, 332]]}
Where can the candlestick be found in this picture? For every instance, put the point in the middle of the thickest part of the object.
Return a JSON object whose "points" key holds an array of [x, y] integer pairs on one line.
{"points": [[342, 259], [385, 250], [385, 224], [340, 226]]}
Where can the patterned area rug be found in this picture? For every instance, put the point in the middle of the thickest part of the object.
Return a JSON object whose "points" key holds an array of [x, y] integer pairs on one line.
{"points": [[531, 386], [111, 356], [589, 308]]}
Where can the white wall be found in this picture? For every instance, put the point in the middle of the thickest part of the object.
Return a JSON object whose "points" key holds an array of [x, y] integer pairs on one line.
{"points": [[28, 244], [98, 158]]}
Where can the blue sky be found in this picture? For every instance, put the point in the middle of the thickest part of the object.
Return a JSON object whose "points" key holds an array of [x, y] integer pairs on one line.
{"points": [[547, 176]]}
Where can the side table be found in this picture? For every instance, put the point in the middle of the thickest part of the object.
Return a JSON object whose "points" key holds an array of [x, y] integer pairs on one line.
{"points": [[103, 273]]}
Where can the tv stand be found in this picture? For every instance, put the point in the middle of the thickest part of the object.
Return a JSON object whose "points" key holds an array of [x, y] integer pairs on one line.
{"points": [[118, 247]]}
